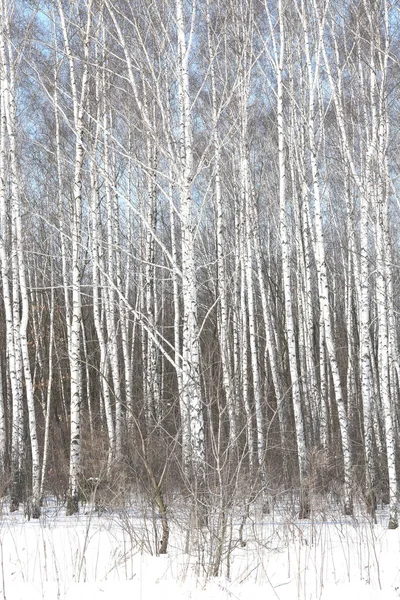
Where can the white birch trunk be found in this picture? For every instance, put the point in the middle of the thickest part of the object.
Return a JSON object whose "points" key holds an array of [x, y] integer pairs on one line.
{"points": [[285, 246], [46, 443], [313, 74], [10, 288], [5, 242], [194, 461], [109, 300], [20, 328], [223, 324], [97, 266], [243, 342], [79, 101], [383, 274], [125, 330]]}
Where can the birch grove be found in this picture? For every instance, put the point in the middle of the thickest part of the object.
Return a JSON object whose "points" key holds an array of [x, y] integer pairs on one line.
{"points": [[199, 249]]}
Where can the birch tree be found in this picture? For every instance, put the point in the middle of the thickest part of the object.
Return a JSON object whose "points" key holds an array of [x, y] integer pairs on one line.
{"points": [[79, 97], [20, 290], [192, 408]]}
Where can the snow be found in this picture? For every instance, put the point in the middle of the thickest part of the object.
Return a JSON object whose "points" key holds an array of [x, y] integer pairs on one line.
{"points": [[108, 557]]}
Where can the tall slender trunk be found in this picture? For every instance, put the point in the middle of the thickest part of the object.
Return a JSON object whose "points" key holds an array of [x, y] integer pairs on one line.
{"points": [[194, 444], [320, 258], [79, 102], [223, 323], [285, 248], [20, 289], [46, 443]]}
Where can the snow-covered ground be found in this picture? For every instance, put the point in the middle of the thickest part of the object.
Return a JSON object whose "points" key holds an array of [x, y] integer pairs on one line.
{"points": [[108, 557]]}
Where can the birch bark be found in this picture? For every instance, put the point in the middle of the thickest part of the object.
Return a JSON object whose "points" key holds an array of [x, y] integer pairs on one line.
{"points": [[20, 290], [280, 58], [79, 103], [193, 440]]}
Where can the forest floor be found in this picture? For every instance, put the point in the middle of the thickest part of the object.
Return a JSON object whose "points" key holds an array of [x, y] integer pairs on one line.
{"points": [[110, 556]]}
